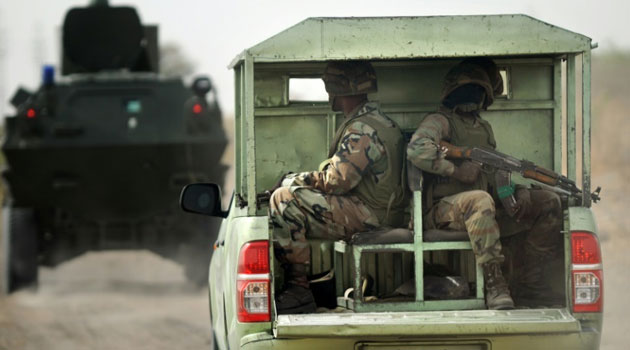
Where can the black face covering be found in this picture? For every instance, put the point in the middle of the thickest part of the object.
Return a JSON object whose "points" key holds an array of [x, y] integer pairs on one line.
{"points": [[466, 95]]}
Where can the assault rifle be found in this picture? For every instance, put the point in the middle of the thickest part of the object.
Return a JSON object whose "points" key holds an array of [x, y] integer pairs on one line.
{"points": [[505, 165], [261, 199]]}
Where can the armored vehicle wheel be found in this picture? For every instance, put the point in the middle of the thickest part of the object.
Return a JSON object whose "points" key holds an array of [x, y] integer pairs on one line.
{"points": [[20, 251]]}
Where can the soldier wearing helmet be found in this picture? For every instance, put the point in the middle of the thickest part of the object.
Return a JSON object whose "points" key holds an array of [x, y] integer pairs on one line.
{"points": [[460, 196], [358, 188]]}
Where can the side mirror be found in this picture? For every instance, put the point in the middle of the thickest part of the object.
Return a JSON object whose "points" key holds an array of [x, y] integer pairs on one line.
{"points": [[202, 198], [201, 86]]}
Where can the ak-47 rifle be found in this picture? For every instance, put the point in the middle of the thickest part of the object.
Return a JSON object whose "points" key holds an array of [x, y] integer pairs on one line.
{"points": [[505, 165], [261, 199]]}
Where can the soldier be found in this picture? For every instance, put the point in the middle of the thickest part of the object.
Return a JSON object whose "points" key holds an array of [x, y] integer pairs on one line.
{"points": [[359, 188], [460, 194]]}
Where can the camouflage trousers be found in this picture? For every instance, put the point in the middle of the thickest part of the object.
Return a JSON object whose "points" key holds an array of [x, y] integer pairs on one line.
{"points": [[301, 213], [533, 246], [530, 245], [473, 212]]}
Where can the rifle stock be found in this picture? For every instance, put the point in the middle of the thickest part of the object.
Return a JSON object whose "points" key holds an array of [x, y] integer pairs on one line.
{"points": [[534, 174]]}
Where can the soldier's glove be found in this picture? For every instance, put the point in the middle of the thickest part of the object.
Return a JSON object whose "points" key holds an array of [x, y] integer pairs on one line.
{"points": [[467, 172], [523, 203]]}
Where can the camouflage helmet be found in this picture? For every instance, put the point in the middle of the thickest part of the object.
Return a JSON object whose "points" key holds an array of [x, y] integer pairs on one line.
{"points": [[346, 78], [465, 74], [491, 69]]}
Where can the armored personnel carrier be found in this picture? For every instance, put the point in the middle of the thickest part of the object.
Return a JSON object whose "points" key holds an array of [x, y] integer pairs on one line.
{"points": [[96, 159]]}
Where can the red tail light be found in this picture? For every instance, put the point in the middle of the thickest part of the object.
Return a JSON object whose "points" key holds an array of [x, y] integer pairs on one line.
{"points": [[253, 283], [588, 277], [31, 113], [585, 248], [197, 108], [254, 258]]}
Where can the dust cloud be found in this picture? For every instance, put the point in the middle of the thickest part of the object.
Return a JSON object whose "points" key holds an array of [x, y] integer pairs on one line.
{"points": [[108, 300]]}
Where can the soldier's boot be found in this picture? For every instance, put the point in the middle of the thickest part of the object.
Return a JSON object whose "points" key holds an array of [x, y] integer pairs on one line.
{"points": [[497, 292], [296, 298]]}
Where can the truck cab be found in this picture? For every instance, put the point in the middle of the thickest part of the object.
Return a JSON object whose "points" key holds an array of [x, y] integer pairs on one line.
{"points": [[542, 116]]}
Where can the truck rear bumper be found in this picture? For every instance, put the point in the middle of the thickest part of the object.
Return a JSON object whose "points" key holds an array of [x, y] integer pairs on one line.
{"points": [[552, 329], [571, 341], [468, 322]]}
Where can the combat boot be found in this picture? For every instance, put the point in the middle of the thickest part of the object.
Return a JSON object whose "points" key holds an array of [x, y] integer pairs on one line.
{"points": [[497, 293], [296, 298]]}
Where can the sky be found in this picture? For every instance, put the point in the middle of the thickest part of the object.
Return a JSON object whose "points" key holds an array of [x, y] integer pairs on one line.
{"points": [[211, 33]]}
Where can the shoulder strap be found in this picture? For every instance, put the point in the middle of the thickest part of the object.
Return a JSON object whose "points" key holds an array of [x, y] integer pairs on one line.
{"points": [[342, 128]]}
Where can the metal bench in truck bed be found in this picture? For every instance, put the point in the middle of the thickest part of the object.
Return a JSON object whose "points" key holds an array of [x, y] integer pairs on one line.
{"points": [[400, 240]]}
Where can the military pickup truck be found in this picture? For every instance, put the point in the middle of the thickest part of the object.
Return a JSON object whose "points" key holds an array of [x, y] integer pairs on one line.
{"points": [[543, 115]]}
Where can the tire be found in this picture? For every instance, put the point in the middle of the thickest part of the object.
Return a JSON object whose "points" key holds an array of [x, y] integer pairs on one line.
{"points": [[20, 248]]}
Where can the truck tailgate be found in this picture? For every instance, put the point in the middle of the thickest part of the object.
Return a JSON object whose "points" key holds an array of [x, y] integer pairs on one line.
{"points": [[467, 322]]}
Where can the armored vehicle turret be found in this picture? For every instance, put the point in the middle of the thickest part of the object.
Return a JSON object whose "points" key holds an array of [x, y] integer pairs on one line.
{"points": [[96, 159]]}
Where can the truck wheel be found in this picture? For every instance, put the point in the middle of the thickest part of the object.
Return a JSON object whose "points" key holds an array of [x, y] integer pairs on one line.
{"points": [[20, 250]]}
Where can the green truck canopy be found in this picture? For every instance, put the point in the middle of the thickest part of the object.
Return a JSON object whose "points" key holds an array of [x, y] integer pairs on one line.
{"points": [[372, 38]]}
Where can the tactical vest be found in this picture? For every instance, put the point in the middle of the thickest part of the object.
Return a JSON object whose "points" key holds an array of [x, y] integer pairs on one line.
{"points": [[464, 132], [386, 198]]}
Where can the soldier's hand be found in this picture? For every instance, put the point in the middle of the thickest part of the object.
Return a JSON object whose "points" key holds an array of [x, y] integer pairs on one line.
{"points": [[467, 172], [278, 184], [523, 202]]}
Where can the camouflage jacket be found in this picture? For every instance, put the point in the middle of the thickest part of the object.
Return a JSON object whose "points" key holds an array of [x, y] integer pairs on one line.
{"points": [[359, 152], [424, 149]]}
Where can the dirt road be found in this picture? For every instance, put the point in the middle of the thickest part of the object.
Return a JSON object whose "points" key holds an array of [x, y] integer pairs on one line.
{"points": [[112, 300]]}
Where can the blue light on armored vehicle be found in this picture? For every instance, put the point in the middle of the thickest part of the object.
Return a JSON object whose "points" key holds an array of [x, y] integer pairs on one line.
{"points": [[48, 75]]}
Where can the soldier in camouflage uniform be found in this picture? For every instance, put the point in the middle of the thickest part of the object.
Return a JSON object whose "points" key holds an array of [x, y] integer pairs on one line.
{"points": [[460, 193], [358, 188]]}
